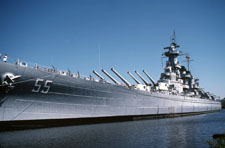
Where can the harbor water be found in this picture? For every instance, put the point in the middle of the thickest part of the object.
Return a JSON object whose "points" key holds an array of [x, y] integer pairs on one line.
{"points": [[189, 131]]}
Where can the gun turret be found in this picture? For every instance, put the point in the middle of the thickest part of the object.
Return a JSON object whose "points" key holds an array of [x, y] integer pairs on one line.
{"points": [[153, 82], [133, 78], [124, 80], [114, 80], [146, 83], [98, 75]]}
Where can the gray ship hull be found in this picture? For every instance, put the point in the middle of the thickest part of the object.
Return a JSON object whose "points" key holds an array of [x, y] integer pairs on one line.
{"points": [[39, 94]]}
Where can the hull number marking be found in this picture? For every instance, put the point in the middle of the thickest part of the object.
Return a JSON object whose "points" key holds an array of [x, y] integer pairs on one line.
{"points": [[42, 86]]}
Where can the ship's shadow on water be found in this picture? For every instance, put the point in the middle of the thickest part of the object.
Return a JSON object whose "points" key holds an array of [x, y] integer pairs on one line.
{"points": [[191, 131]]}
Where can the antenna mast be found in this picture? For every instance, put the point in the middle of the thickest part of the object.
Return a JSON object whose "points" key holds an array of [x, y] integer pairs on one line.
{"points": [[99, 62], [174, 37], [188, 62]]}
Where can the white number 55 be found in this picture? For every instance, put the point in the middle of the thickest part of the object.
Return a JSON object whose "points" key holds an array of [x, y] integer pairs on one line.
{"points": [[38, 86]]}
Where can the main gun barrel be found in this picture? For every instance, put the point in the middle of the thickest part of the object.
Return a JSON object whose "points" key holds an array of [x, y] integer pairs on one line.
{"points": [[98, 75], [124, 80], [146, 83], [150, 78], [133, 78], [107, 74]]}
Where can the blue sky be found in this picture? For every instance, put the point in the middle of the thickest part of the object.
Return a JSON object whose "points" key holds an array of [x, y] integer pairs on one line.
{"points": [[131, 35]]}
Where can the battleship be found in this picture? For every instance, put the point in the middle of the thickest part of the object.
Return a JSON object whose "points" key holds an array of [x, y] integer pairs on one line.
{"points": [[41, 94]]}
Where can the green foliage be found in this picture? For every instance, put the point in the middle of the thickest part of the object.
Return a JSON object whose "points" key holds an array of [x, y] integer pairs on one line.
{"points": [[217, 142], [223, 103]]}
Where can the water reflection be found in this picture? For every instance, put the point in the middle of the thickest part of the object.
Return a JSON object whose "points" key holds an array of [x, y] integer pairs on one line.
{"points": [[191, 131]]}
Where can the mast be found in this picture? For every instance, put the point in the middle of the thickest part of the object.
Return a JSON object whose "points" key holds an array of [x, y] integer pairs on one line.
{"points": [[172, 54], [188, 62]]}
